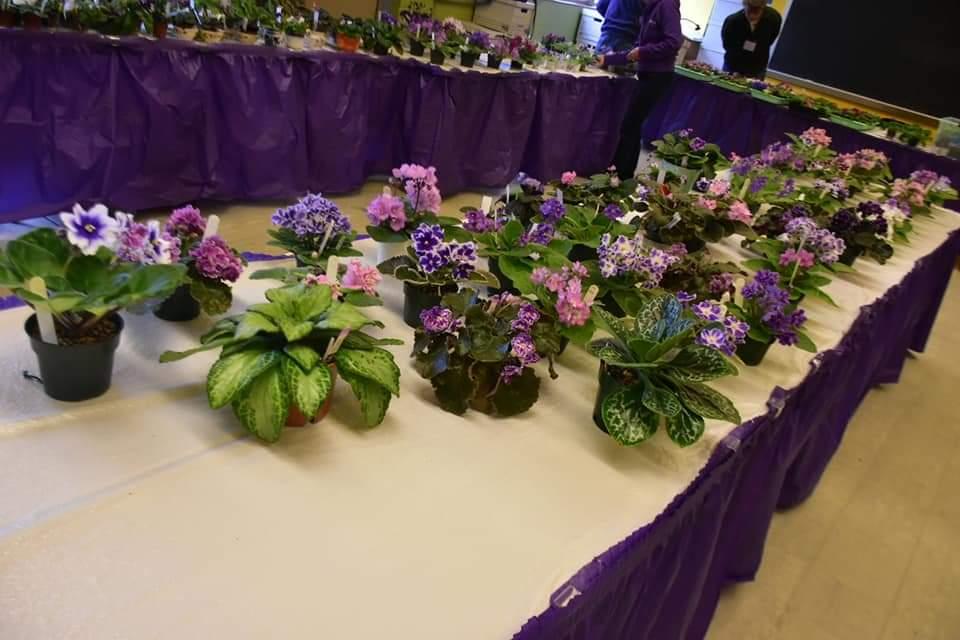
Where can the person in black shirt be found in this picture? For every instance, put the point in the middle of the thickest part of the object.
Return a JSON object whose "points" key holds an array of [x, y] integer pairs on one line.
{"points": [[748, 36]]}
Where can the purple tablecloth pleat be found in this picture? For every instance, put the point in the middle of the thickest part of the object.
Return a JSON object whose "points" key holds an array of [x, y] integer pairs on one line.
{"points": [[740, 124], [141, 124], [665, 579]]}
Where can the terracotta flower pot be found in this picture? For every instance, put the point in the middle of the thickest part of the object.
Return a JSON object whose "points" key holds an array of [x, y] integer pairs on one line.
{"points": [[159, 29], [295, 417], [80, 371], [347, 43]]}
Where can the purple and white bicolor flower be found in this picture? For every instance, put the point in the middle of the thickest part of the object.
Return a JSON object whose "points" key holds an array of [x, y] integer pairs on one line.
{"points": [[88, 230]]}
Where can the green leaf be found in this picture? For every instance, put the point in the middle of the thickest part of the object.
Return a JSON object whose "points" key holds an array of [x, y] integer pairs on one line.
{"points": [[313, 302], [619, 328], [307, 390], [817, 293], [230, 374], [294, 330], [174, 356], [453, 389], [263, 405], [660, 401], [651, 312], [609, 351], [361, 299], [39, 253], [626, 419], [252, 323], [275, 273], [669, 345], [304, 355], [511, 233], [374, 399], [685, 428], [699, 364], [707, 402], [517, 271], [839, 267], [374, 364], [215, 297], [579, 335], [518, 396], [756, 264], [385, 235], [154, 282], [345, 316], [88, 274], [805, 343]]}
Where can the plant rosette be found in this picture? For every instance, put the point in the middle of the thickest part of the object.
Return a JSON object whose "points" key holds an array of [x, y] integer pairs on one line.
{"points": [[87, 283], [348, 33], [864, 167], [801, 255], [766, 308], [630, 271], [563, 295], [385, 34], [697, 276], [813, 145], [394, 218], [866, 230], [653, 372], [433, 265], [516, 251], [354, 282], [279, 356], [313, 229], [921, 191], [684, 149], [480, 354], [477, 42]]}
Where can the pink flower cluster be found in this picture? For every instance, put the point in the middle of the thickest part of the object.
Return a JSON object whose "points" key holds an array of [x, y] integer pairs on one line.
{"points": [[568, 177], [213, 258], [804, 258], [186, 221], [389, 211], [909, 191], [145, 243], [420, 186], [816, 137], [719, 188], [314, 279], [573, 308], [361, 277], [740, 212], [416, 173]]}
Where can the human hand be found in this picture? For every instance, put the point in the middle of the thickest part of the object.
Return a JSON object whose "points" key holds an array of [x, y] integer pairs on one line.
{"points": [[634, 54]]}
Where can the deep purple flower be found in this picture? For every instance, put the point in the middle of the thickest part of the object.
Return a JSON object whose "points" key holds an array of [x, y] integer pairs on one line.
{"points": [[186, 221], [758, 183], [437, 319], [431, 261], [427, 237], [843, 221], [523, 348], [721, 283], [698, 144], [685, 298], [613, 211], [553, 211], [477, 221], [510, 372], [767, 278], [701, 185], [527, 316], [716, 339], [539, 234], [312, 215], [709, 311], [216, 260], [479, 39]]}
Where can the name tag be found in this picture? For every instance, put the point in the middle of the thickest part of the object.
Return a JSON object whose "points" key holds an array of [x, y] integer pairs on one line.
{"points": [[750, 46]]}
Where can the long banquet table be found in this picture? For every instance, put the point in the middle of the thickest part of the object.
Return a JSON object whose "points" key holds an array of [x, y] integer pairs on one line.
{"points": [[145, 514]]}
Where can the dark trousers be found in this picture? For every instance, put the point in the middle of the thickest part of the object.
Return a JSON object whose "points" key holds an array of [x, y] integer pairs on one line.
{"points": [[650, 88]]}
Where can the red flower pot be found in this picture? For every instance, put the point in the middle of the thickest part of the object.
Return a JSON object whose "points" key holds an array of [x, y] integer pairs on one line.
{"points": [[32, 22], [160, 28], [347, 43]]}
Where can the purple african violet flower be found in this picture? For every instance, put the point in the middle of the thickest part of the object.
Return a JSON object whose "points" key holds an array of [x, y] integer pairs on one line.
{"points": [[541, 233], [426, 237], [186, 221], [437, 320], [716, 339], [88, 230], [214, 259], [709, 311], [553, 211], [685, 298], [698, 144], [387, 210], [527, 316], [510, 372], [479, 40], [613, 212], [523, 348], [312, 215], [721, 283], [477, 221]]}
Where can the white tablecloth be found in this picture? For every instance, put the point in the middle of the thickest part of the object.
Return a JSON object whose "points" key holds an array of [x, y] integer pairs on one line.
{"points": [[144, 514]]}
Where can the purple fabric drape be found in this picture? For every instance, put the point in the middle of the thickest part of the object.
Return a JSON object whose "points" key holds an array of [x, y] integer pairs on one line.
{"points": [[664, 580], [141, 124], [740, 124]]}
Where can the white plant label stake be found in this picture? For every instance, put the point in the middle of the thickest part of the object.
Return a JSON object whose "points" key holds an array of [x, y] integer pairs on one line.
{"points": [[213, 225], [508, 194], [560, 195], [485, 203], [48, 333]]}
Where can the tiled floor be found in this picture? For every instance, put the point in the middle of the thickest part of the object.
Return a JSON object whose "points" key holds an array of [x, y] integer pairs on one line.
{"points": [[875, 552]]}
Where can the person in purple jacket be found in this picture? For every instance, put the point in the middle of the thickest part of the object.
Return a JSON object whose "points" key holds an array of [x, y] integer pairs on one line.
{"points": [[655, 54]]}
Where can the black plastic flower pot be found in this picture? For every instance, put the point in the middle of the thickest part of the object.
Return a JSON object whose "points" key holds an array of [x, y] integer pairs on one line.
{"points": [[505, 287], [76, 372], [417, 299], [850, 255], [752, 352], [417, 48], [564, 343], [179, 307], [380, 49], [609, 383], [468, 59], [611, 305], [582, 253], [494, 61], [516, 65], [436, 56]]}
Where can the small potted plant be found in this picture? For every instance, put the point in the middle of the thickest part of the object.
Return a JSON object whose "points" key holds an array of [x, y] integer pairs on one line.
{"points": [[565, 296], [212, 266], [313, 229], [348, 34], [629, 271], [419, 29], [74, 278], [294, 31], [802, 256], [686, 155], [184, 24], [523, 51], [385, 34], [921, 191], [477, 43], [480, 354], [446, 43], [654, 369], [766, 308], [813, 144], [279, 360], [499, 49], [513, 251], [321, 23], [432, 267], [865, 230]]}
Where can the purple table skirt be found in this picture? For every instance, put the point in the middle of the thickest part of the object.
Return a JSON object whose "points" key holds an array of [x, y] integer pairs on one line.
{"points": [[740, 124], [664, 580], [141, 124]]}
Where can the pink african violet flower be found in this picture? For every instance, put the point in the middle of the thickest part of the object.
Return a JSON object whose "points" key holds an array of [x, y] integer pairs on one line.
{"points": [[215, 259], [740, 212], [846, 161], [568, 177], [417, 173], [360, 276], [186, 221], [816, 137], [424, 199], [804, 258], [707, 203], [312, 280], [719, 188], [572, 309], [387, 209]]}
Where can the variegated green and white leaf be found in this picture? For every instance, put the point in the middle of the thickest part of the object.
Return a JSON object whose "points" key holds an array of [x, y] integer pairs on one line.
{"points": [[374, 364], [648, 320], [609, 351], [661, 401], [263, 405], [626, 419], [700, 364], [685, 428], [619, 328], [304, 355], [253, 323], [230, 374], [374, 399], [708, 402], [308, 390]]}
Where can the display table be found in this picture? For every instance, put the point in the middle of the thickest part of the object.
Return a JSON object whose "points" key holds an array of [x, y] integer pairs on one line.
{"points": [[142, 124], [741, 124], [145, 514]]}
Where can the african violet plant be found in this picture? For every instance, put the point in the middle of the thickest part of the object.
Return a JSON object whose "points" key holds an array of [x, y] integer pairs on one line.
{"points": [[865, 230], [684, 149], [313, 229], [813, 145], [282, 356], [561, 294], [653, 371], [479, 354], [394, 219], [922, 190]]}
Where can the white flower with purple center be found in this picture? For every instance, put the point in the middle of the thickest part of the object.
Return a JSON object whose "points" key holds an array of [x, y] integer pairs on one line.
{"points": [[715, 339], [709, 311], [88, 230]]}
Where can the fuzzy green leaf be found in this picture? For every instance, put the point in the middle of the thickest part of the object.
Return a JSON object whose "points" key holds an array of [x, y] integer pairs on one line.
{"points": [[344, 316], [263, 405], [453, 390], [252, 323], [374, 364], [303, 355], [805, 343], [699, 364], [313, 302], [626, 419], [230, 374], [518, 396], [307, 390], [707, 402], [38, 253], [215, 297], [374, 399]]}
